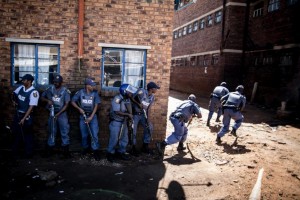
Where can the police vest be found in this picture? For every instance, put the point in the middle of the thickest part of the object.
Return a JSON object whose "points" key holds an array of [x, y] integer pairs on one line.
{"points": [[87, 102], [24, 99], [57, 97]]}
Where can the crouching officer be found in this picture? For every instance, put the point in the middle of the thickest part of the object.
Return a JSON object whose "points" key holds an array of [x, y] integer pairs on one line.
{"points": [[233, 103], [118, 127], [183, 114], [57, 98], [215, 103]]}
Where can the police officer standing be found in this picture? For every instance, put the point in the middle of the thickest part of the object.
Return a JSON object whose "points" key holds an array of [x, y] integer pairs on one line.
{"points": [[118, 126], [144, 99], [233, 103], [183, 114], [86, 101], [25, 98], [215, 103], [57, 98]]}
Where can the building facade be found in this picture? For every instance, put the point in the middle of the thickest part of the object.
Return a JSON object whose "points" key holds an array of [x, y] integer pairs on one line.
{"points": [[251, 42], [113, 42]]}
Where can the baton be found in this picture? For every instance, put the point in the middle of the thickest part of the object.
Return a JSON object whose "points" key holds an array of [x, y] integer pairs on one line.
{"points": [[89, 129], [52, 118]]}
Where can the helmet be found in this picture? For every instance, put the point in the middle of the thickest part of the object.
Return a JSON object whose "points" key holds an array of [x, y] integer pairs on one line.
{"points": [[240, 88], [127, 88], [192, 97], [123, 88], [223, 84]]}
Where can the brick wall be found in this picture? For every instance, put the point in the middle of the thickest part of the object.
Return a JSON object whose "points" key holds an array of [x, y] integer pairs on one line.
{"points": [[131, 22]]}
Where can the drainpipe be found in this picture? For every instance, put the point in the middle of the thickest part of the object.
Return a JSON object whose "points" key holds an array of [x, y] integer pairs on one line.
{"points": [[245, 36], [80, 30]]}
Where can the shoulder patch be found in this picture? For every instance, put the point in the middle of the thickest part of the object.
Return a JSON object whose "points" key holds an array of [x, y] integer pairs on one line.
{"points": [[118, 100], [35, 94]]}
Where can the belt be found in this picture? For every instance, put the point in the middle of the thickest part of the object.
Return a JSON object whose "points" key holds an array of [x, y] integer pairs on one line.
{"points": [[138, 113]]}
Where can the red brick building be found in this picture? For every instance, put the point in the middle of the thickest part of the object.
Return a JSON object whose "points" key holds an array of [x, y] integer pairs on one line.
{"points": [[240, 42], [113, 42]]}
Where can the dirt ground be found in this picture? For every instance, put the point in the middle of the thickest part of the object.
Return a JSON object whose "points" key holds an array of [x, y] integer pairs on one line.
{"points": [[204, 170]]}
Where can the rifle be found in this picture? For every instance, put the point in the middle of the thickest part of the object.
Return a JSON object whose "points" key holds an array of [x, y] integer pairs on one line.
{"points": [[129, 122], [89, 129], [138, 101], [52, 122]]}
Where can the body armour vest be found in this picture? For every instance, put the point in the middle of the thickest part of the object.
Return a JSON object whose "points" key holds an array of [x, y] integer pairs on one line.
{"points": [[87, 101], [58, 98], [23, 100]]}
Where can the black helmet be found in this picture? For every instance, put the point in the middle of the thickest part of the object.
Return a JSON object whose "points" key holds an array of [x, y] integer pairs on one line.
{"points": [[192, 97], [223, 84], [240, 88]]}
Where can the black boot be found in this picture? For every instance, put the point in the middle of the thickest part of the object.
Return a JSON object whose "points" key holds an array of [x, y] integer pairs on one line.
{"points": [[66, 152], [110, 157], [233, 132], [134, 151], [145, 148], [160, 146], [96, 154], [49, 151], [218, 140], [218, 119], [181, 147], [208, 123]]}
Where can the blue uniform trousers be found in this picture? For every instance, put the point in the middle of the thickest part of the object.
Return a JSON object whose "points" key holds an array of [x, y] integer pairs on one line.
{"points": [[147, 133], [62, 123], [118, 136], [94, 127], [214, 103], [228, 114], [22, 134], [180, 132]]}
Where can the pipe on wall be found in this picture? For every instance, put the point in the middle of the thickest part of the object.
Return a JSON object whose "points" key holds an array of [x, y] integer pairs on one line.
{"points": [[80, 31]]}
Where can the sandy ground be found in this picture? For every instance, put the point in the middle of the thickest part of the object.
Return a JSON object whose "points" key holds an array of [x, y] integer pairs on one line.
{"points": [[204, 170]]}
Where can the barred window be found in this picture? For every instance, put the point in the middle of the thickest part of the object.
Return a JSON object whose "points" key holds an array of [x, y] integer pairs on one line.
{"points": [[209, 20], [195, 26], [190, 29], [202, 23], [273, 5], [184, 30], [218, 16]]}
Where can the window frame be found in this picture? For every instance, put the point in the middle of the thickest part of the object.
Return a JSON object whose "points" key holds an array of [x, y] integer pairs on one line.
{"points": [[35, 73], [218, 16], [273, 5], [202, 23], [123, 65]]}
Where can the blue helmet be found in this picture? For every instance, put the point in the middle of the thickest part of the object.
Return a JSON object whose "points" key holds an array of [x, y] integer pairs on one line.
{"points": [[127, 88], [123, 88]]}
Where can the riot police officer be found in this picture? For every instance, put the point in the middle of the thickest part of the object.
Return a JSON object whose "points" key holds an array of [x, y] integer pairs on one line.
{"points": [[86, 101], [120, 113], [25, 98], [215, 103], [182, 115], [142, 103], [233, 103], [57, 98]]}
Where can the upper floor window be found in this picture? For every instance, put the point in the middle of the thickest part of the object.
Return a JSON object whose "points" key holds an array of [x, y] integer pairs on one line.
{"points": [[258, 9], [209, 20], [190, 29], [180, 32], [123, 66], [273, 5], [40, 60], [181, 3], [184, 30], [202, 23], [175, 34], [218, 16], [195, 26], [291, 2], [215, 59]]}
